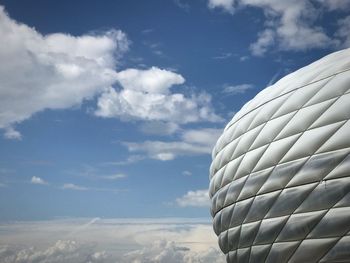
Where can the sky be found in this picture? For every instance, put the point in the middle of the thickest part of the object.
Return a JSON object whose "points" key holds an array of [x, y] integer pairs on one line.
{"points": [[111, 109]]}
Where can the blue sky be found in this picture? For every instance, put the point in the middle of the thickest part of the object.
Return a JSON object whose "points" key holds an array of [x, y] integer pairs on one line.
{"points": [[110, 109]]}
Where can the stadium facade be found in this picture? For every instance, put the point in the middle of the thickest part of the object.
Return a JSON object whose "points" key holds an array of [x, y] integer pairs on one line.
{"points": [[280, 175]]}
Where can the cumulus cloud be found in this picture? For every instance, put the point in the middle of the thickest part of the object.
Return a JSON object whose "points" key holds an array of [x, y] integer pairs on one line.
{"points": [[289, 25], [237, 89], [198, 198], [153, 80], [54, 71], [12, 134], [37, 180], [193, 142], [146, 95], [167, 240], [59, 71]]}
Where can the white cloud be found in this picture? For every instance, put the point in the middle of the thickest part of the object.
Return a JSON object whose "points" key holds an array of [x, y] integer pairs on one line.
{"points": [[343, 31], [198, 198], [59, 71], [205, 136], [223, 56], [183, 5], [147, 31], [336, 4], [244, 58], [274, 78], [187, 173], [95, 173], [12, 134], [265, 40], [71, 186], [130, 160], [166, 151], [155, 47], [237, 89], [114, 176], [54, 71], [37, 180], [193, 142], [146, 95], [153, 80], [289, 25], [227, 5], [167, 240]]}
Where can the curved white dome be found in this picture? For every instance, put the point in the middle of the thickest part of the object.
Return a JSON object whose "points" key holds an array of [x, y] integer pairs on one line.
{"points": [[280, 176]]}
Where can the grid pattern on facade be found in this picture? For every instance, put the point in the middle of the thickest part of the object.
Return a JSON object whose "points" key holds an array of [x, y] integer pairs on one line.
{"points": [[280, 176]]}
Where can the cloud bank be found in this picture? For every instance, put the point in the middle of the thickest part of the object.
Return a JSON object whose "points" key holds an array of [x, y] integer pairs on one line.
{"points": [[61, 251], [110, 240]]}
